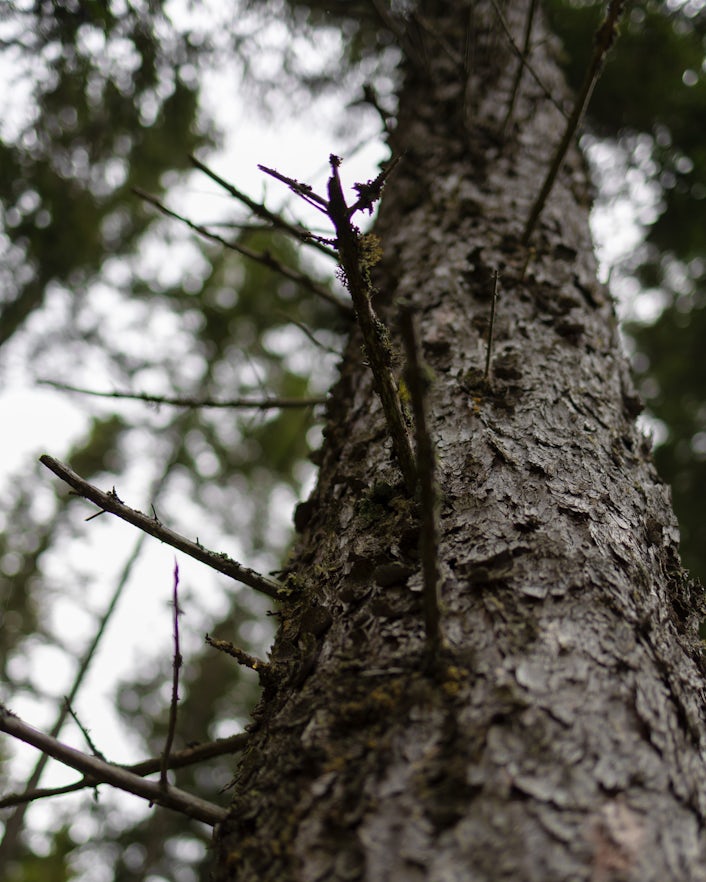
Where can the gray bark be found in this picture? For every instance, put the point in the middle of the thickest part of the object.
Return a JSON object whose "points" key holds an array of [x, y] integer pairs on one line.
{"points": [[560, 735]]}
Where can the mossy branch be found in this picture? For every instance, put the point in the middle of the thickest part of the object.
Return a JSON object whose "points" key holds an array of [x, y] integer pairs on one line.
{"points": [[356, 256], [356, 269]]}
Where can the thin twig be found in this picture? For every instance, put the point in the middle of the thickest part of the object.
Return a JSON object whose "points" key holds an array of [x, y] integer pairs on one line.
{"points": [[417, 383], [515, 48], [605, 37], [304, 191], [107, 773], [112, 503], [260, 210], [311, 336], [370, 97], [193, 403], [242, 657], [176, 667], [86, 734], [491, 324], [264, 257], [521, 63], [178, 760]]}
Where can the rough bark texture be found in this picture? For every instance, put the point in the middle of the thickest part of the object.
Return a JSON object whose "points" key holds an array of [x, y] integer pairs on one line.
{"points": [[560, 736]]}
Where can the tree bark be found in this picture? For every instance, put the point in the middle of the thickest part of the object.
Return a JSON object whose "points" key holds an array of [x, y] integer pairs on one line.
{"points": [[559, 734]]}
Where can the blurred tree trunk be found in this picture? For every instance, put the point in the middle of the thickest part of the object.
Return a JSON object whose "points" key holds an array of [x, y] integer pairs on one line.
{"points": [[561, 734]]}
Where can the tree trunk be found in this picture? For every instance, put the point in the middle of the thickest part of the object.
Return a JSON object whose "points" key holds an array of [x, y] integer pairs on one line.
{"points": [[560, 733]]}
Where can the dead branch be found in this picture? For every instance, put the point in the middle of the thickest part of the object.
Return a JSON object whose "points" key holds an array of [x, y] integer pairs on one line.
{"points": [[491, 325], [107, 773], [242, 657], [356, 272], [193, 403], [355, 267], [605, 37], [110, 502], [523, 61], [178, 760], [259, 210], [417, 378], [84, 731], [304, 191], [311, 336], [176, 667], [13, 824]]}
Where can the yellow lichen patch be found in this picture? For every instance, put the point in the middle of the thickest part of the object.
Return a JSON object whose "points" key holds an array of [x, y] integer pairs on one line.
{"points": [[453, 680], [370, 250]]}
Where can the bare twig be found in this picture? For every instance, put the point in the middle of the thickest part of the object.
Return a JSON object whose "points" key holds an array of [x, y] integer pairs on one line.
{"points": [[371, 191], [193, 403], [515, 48], [178, 760], [86, 734], [304, 191], [605, 37], [418, 382], [100, 771], [522, 63], [199, 753], [311, 336], [491, 324], [264, 257], [112, 503], [242, 657], [258, 209], [176, 667]]}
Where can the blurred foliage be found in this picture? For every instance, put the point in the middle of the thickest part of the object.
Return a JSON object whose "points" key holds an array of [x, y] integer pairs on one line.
{"points": [[651, 100], [109, 110], [99, 290]]}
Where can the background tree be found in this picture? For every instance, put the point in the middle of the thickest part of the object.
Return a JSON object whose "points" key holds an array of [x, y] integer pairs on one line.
{"points": [[214, 315]]}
